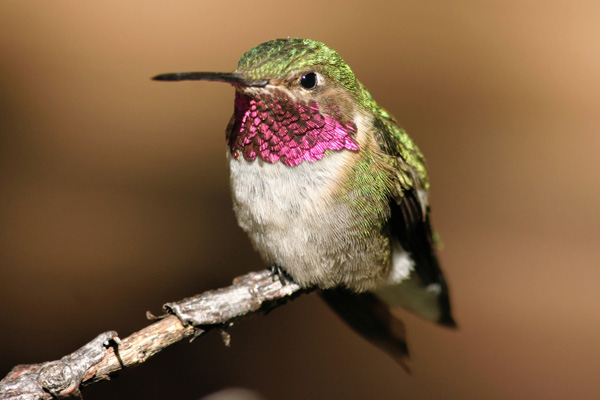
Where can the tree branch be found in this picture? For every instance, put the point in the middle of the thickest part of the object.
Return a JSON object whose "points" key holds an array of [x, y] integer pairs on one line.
{"points": [[189, 318]]}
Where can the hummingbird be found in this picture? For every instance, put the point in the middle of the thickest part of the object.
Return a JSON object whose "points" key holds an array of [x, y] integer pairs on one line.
{"points": [[330, 189]]}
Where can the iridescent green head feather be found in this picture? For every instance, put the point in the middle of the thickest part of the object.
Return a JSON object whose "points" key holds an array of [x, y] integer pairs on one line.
{"points": [[277, 58]]}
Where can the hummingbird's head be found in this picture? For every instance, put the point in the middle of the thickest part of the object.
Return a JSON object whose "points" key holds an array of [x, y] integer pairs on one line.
{"points": [[296, 100], [305, 67]]}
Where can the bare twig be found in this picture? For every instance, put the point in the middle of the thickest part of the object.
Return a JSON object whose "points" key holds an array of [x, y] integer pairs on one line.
{"points": [[192, 317]]}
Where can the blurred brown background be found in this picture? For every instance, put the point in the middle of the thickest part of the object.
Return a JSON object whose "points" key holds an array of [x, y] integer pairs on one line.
{"points": [[115, 200]]}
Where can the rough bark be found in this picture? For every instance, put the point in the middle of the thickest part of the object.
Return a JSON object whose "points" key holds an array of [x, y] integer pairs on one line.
{"points": [[189, 318]]}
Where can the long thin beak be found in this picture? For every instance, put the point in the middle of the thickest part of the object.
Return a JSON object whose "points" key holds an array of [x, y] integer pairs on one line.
{"points": [[227, 77]]}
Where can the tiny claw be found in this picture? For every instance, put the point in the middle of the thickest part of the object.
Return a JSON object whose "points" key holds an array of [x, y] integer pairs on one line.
{"points": [[284, 278]]}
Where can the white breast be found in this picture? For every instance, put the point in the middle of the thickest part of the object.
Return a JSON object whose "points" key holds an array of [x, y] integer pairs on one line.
{"points": [[290, 213], [277, 197]]}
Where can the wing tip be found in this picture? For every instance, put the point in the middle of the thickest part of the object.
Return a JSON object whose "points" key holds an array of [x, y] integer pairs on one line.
{"points": [[447, 321]]}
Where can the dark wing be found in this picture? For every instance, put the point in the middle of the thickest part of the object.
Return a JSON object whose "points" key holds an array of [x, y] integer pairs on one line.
{"points": [[412, 229], [410, 224]]}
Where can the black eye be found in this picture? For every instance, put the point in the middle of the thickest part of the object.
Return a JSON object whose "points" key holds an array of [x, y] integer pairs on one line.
{"points": [[309, 81]]}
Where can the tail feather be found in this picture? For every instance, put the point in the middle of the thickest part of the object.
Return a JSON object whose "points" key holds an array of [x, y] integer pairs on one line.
{"points": [[371, 318]]}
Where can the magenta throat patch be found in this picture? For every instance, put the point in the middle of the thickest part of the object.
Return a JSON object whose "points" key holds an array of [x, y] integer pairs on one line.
{"points": [[279, 130]]}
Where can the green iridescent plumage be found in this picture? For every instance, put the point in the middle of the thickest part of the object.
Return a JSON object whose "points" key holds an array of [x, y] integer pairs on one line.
{"points": [[276, 58]]}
